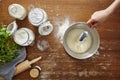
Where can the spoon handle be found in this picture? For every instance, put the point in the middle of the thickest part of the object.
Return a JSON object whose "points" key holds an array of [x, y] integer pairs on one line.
{"points": [[83, 35]]}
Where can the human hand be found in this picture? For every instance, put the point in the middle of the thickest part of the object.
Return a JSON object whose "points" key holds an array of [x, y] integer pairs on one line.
{"points": [[98, 18]]}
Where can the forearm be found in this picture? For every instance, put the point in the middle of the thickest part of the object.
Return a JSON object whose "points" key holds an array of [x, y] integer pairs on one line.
{"points": [[113, 7]]}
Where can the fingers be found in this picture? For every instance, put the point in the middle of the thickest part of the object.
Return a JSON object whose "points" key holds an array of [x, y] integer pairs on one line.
{"points": [[89, 22], [92, 23]]}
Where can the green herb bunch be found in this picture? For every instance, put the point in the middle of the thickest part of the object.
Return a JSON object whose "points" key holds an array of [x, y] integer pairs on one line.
{"points": [[8, 48]]}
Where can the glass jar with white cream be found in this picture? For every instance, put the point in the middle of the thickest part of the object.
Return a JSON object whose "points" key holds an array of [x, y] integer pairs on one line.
{"points": [[24, 37], [17, 11], [36, 16]]}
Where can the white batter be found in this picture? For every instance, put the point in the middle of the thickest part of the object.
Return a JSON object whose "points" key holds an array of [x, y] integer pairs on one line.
{"points": [[73, 41]]}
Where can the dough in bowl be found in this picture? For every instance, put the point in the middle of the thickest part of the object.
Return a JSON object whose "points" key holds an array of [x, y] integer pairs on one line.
{"points": [[73, 42]]}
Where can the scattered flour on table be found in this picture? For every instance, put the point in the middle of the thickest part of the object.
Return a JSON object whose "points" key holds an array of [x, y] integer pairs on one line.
{"points": [[43, 76], [89, 73], [62, 26], [110, 30]]}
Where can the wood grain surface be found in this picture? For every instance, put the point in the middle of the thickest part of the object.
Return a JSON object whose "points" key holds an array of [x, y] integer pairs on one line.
{"points": [[56, 64]]}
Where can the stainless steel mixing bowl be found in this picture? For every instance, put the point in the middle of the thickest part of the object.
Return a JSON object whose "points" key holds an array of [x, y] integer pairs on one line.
{"points": [[93, 49]]}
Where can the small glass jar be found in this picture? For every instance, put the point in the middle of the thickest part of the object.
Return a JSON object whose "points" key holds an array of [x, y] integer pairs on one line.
{"points": [[24, 37], [36, 16], [35, 71], [45, 29], [17, 11], [12, 27]]}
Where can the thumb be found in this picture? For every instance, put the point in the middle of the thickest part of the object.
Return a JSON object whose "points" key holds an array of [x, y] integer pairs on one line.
{"points": [[92, 23]]}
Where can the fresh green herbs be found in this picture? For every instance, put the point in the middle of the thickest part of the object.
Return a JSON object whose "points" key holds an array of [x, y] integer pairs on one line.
{"points": [[8, 48]]}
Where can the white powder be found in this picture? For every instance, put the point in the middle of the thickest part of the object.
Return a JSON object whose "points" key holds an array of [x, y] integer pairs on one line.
{"points": [[89, 73], [43, 76], [42, 45], [62, 27]]}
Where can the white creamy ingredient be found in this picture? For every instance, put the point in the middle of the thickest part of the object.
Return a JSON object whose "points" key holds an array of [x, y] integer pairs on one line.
{"points": [[24, 37], [37, 16], [45, 29], [17, 11], [73, 41], [21, 37], [12, 27]]}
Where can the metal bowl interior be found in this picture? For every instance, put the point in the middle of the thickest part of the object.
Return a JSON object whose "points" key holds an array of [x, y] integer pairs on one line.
{"points": [[95, 41]]}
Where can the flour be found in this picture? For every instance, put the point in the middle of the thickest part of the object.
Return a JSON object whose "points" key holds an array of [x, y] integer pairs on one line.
{"points": [[42, 45], [43, 76], [89, 73], [62, 27], [103, 67]]}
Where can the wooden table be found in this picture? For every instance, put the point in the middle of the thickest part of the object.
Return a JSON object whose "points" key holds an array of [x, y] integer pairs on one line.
{"points": [[56, 63]]}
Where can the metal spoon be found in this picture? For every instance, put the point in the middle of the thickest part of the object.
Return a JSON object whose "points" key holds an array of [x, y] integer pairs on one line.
{"points": [[83, 35]]}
